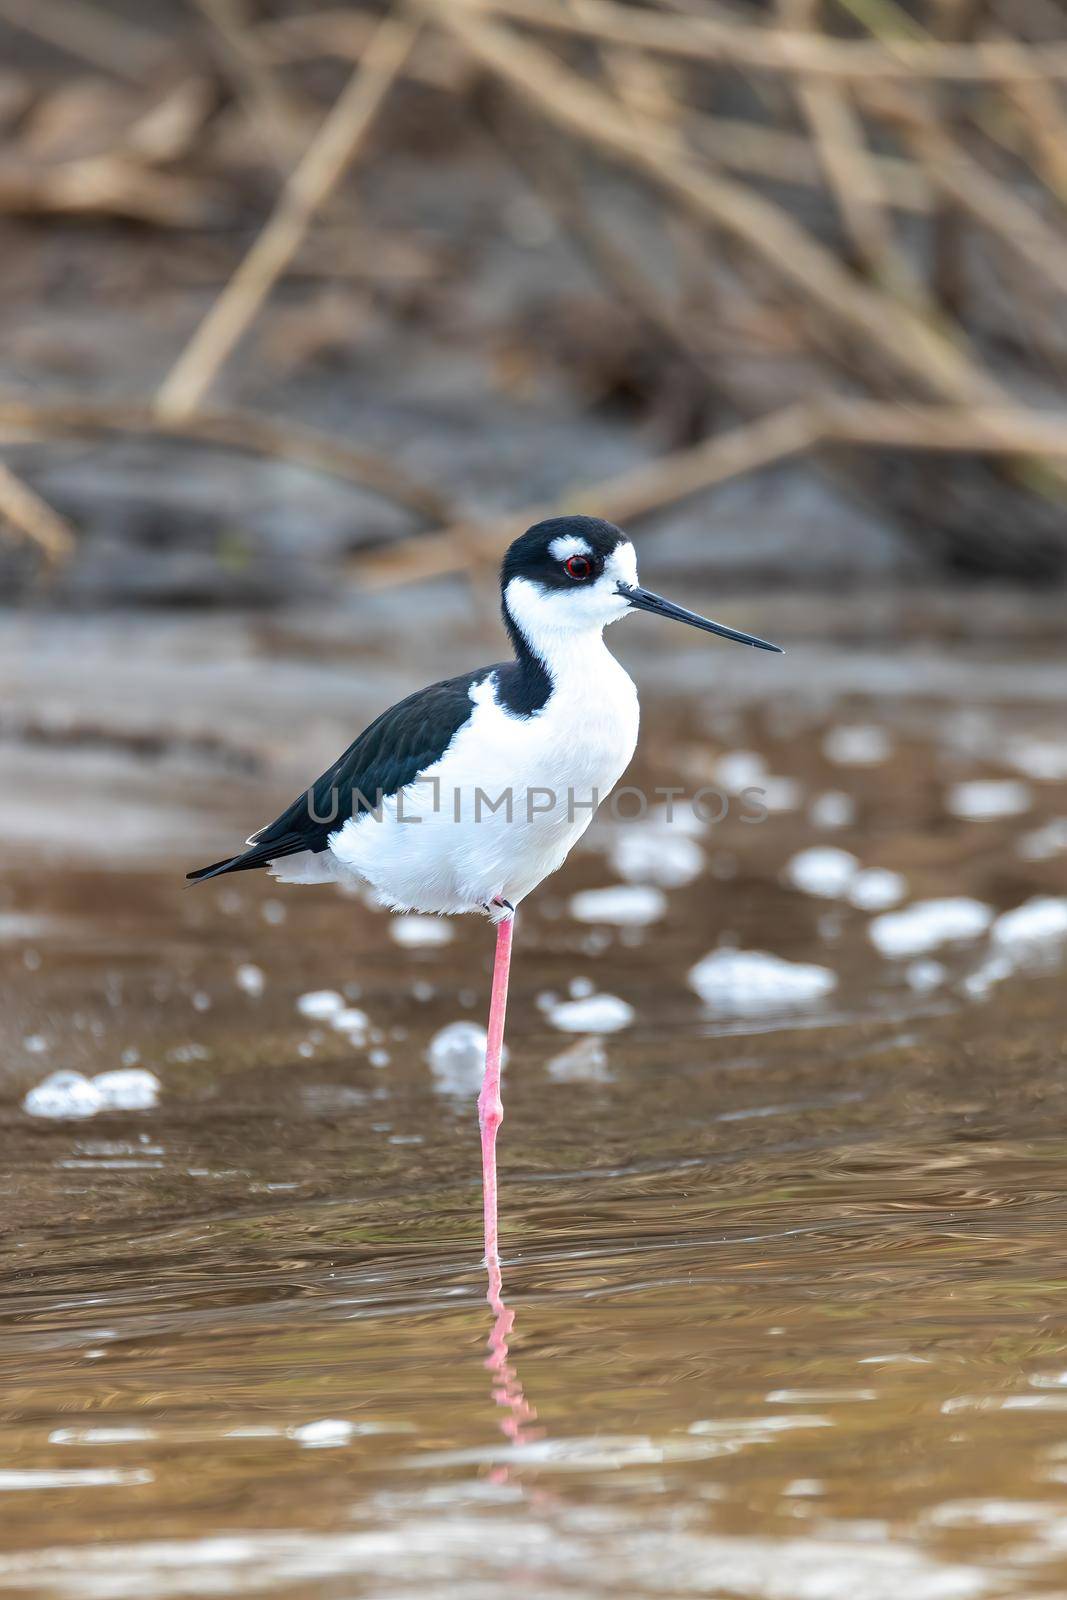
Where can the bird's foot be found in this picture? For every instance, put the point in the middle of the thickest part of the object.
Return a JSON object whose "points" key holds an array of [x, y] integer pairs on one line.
{"points": [[499, 910]]}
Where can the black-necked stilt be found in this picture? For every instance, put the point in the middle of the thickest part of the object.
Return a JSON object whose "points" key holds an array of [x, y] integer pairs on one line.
{"points": [[464, 796]]}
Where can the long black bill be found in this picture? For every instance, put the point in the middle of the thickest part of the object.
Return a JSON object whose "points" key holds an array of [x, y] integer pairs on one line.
{"points": [[645, 600]]}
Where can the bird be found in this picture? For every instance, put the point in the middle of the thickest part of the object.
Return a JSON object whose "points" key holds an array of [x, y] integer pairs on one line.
{"points": [[466, 795]]}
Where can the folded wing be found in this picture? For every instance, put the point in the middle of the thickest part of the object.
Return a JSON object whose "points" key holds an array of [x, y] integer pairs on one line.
{"points": [[389, 754]]}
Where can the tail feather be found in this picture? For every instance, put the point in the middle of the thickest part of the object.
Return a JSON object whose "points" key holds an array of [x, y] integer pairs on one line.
{"points": [[260, 855]]}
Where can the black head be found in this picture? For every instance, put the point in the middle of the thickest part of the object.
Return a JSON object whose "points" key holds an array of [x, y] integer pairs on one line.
{"points": [[571, 575], [562, 552]]}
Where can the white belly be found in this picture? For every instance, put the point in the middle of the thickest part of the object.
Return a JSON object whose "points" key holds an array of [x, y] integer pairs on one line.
{"points": [[507, 801]]}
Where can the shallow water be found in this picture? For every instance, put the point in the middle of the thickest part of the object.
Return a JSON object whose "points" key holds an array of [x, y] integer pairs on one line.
{"points": [[784, 1298]]}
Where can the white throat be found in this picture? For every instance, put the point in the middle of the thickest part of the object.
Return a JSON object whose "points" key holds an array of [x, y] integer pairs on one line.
{"points": [[564, 628]]}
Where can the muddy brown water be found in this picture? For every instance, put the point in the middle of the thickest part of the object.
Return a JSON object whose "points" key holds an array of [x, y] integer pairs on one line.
{"points": [[784, 1293]]}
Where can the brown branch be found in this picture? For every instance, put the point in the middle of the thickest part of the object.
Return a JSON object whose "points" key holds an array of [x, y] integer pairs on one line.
{"points": [[346, 34], [320, 169], [908, 344], [1007, 431], [236, 430], [1041, 113], [34, 518], [979, 193], [737, 144], [622, 499], [762, 49], [978, 430], [840, 142], [246, 61], [765, 152]]}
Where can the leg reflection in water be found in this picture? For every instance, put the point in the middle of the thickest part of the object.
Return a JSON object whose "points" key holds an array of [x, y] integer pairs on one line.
{"points": [[507, 1390]]}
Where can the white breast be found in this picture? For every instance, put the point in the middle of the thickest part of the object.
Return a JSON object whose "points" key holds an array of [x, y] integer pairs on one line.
{"points": [[509, 798]]}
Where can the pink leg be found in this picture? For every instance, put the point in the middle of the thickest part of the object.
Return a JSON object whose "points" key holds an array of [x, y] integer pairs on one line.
{"points": [[490, 1109]]}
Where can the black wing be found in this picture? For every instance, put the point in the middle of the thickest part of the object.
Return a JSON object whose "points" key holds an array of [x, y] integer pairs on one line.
{"points": [[390, 753]]}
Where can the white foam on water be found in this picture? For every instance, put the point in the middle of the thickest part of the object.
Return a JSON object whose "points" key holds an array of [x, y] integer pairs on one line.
{"points": [[100, 1435], [328, 1433], [661, 855], [250, 979], [320, 1004], [1043, 760], [62, 1095], [351, 1021], [406, 1556], [923, 976], [676, 817], [832, 809], [1044, 843], [127, 1089], [624, 905], [14, 1480], [456, 1057], [585, 1061], [1040, 921], [416, 932], [928, 924], [822, 870], [877, 888], [986, 976], [17, 926], [980, 798], [748, 983], [740, 769], [598, 1013], [778, 795], [857, 745], [971, 1514]]}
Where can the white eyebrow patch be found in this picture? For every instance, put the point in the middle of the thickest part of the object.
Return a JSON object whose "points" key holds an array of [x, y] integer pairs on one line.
{"points": [[567, 545], [622, 563]]}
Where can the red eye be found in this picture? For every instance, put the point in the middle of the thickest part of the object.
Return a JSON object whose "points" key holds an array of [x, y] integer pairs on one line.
{"points": [[579, 568]]}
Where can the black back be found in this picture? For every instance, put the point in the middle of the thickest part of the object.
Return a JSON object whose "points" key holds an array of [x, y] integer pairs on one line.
{"points": [[388, 754], [416, 732]]}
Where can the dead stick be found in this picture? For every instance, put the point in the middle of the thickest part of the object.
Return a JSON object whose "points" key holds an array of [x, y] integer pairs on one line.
{"points": [[623, 498], [904, 340], [1017, 225], [773, 50], [978, 430], [738, 144], [311, 181], [34, 518], [238, 430], [765, 152], [1007, 431], [246, 62], [840, 141]]}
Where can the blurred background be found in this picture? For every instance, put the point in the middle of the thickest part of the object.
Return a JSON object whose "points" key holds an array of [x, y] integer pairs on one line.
{"points": [[305, 311], [288, 289]]}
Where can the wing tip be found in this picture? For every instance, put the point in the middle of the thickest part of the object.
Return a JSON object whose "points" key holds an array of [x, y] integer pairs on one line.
{"points": [[259, 856], [217, 868]]}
